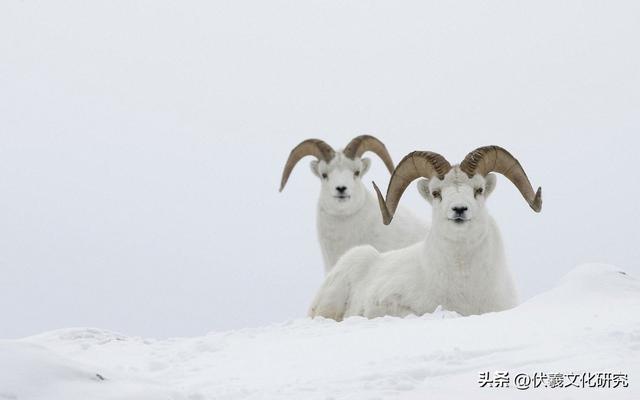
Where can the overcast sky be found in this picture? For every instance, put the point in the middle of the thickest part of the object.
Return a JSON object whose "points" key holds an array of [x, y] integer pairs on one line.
{"points": [[142, 142]]}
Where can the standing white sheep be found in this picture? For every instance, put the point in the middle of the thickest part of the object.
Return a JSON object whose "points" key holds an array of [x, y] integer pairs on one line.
{"points": [[461, 263], [348, 213]]}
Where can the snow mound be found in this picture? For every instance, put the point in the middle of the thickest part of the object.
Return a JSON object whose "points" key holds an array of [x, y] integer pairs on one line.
{"points": [[30, 371], [589, 323]]}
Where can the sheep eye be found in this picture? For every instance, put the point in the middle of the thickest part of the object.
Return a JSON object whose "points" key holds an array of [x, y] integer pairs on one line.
{"points": [[357, 173], [436, 194], [479, 191], [324, 175]]}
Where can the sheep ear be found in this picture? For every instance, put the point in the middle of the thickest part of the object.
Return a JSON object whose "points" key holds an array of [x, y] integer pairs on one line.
{"points": [[490, 184], [314, 167], [366, 164], [423, 188]]}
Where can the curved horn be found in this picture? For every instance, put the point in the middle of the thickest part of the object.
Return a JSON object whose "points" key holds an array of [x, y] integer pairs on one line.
{"points": [[309, 147], [494, 158], [361, 144], [415, 165]]}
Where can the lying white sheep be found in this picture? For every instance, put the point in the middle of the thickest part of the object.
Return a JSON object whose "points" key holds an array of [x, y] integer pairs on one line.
{"points": [[348, 214], [461, 263]]}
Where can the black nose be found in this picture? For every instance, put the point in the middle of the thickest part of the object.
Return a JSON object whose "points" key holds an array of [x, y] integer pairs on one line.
{"points": [[459, 210], [341, 189]]}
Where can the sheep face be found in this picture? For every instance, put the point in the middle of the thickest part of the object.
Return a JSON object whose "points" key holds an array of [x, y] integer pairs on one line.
{"points": [[458, 201], [342, 192]]}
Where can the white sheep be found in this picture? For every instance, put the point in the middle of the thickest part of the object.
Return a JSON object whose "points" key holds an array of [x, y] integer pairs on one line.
{"points": [[460, 264], [348, 214]]}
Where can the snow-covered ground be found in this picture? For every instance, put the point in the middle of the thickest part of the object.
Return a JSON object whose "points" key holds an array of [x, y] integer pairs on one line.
{"points": [[589, 323]]}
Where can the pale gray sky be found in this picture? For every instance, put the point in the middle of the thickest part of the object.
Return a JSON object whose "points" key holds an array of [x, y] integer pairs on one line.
{"points": [[141, 144]]}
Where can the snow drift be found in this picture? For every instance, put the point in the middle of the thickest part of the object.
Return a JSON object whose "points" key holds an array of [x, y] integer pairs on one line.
{"points": [[589, 323]]}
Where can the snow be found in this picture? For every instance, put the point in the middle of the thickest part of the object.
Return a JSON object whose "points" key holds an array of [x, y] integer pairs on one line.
{"points": [[590, 322]]}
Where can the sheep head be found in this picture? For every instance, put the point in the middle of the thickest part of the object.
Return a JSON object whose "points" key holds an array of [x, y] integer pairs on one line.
{"points": [[340, 172], [457, 193]]}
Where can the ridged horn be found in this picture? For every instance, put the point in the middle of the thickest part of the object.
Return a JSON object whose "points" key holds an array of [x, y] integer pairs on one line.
{"points": [[309, 147], [417, 164], [496, 159], [363, 143]]}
